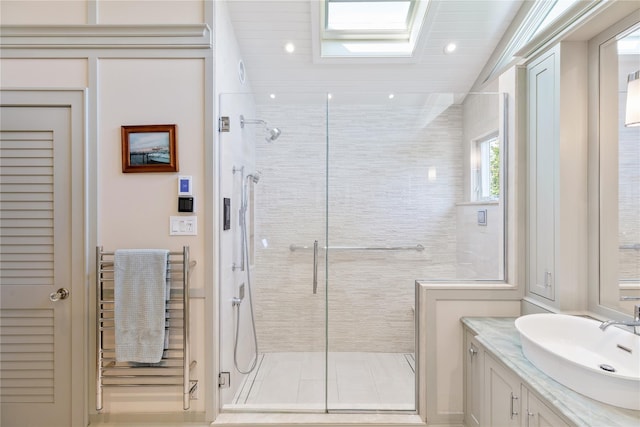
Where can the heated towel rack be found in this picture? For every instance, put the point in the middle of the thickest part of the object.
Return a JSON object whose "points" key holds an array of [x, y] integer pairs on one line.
{"points": [[175, 365]]}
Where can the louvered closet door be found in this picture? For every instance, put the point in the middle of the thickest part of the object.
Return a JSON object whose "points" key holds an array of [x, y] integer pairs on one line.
{"points": [[35, 245]]}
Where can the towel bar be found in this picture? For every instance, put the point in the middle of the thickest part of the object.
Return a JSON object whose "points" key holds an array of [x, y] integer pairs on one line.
{"points": [[175, 365]]}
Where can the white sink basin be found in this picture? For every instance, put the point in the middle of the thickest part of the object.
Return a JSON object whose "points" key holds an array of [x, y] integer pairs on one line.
{"points": [[575, 352]]}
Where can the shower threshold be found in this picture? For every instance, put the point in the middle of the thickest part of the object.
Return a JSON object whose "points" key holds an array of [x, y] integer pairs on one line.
{"points": [[356, 381]]}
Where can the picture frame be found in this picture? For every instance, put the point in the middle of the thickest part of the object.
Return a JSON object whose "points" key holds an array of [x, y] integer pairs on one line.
{"points": [[149, 148]]}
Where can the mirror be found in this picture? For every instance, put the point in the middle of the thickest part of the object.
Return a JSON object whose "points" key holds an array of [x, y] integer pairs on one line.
{"points": [[619, 174]]}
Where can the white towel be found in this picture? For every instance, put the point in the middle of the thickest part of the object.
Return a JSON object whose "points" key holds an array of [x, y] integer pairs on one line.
{"points": [[140, 294]]}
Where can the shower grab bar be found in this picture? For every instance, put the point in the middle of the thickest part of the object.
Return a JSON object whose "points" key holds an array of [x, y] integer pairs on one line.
{"points": [[635, 246], [315, 267], [417, 248]]}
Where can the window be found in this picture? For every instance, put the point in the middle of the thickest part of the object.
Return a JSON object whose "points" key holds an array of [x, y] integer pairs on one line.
{"points": [[374, 16], [366, 28], [486, 168]]}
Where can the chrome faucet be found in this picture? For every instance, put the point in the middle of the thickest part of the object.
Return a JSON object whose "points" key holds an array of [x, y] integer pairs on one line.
{"points": [[635, 323]]}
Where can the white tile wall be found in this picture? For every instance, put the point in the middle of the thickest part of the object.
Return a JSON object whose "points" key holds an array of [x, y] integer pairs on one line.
{"points": [[480, 247], [379, 194], [629, 199]]}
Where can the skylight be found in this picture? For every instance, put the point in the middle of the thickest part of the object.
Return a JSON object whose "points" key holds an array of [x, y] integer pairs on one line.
{"points": [[368, 15], [371, 28], [556, 9]]}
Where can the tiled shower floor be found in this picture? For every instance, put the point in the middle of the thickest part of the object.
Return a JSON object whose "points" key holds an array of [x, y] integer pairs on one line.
{"points": [[356, 381]]}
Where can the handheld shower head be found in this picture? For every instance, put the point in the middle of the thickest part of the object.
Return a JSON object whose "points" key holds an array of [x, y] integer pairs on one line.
{"points": [[252, 177], [255, 177]]}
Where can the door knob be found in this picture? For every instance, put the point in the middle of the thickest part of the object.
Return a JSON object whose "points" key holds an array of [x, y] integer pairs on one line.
{"points": [[61, 293]]}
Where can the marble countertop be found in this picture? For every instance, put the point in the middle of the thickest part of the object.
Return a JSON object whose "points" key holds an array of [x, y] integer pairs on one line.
{"points": [[500, 337]]}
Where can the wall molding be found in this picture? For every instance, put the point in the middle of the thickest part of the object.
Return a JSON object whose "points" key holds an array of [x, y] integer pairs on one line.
{"points": [[191, 36], [467, 299]]}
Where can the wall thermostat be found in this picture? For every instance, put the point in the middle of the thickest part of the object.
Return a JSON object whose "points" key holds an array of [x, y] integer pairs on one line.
{"points": [[185, 186]]}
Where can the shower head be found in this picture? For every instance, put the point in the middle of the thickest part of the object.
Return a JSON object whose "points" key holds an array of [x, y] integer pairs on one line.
{"points": [[272, 133]]}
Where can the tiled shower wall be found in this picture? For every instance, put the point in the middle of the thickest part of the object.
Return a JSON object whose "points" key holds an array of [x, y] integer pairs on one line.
{"points": [[391, 182], [629, 203], [629, 187]]}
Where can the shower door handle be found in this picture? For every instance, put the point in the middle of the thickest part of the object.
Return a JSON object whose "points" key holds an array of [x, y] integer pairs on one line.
{"points": [[315, 267]]}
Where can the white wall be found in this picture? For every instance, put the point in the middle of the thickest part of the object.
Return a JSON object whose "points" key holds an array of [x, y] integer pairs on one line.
{"points": [[480, 247], [134, 208], [236, 149], [129, 86]]}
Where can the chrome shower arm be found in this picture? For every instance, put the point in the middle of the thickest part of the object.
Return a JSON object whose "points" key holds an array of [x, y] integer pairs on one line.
{"points": [[244, 121]]}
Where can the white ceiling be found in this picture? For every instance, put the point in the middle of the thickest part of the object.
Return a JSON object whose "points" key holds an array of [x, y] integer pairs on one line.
{"points": [[263, 27]]}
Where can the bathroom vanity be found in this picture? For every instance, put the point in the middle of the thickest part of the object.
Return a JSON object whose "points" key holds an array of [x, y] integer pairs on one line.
{"points": [[502, 388]]}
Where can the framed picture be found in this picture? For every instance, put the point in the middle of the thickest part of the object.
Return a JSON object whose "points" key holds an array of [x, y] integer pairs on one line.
{"points": [[149, 148]]}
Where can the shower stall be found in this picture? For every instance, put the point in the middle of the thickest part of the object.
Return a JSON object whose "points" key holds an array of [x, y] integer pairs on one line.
{"points": [[359, 196]]}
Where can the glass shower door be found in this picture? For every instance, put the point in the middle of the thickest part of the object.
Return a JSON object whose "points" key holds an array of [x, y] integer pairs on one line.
{"points": [[376, 236], [290, 220], [285, 216], [360, 196]]}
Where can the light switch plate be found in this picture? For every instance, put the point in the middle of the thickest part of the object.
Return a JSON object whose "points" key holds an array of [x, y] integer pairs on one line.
{"points": [[183, 225]]}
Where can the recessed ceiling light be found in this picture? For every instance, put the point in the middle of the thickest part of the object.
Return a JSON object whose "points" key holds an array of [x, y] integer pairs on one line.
{"points": [[450, 48], [391, 96], [329, 96], [272, 96], [289, 47]]}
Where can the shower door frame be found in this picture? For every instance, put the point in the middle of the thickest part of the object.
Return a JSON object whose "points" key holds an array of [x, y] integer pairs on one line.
{"points": [[326, 250]]}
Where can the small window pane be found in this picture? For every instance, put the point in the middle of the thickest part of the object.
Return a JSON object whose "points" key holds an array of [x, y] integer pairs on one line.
{"points": [[486, 185], [374, 15]]}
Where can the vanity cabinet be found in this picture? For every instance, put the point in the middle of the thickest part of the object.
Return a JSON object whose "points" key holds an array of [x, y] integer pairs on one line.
{"points": [[502, 395], [557, 175], [474, 373], [538, 414], [509, 403], [496, 397], [502, 388]]}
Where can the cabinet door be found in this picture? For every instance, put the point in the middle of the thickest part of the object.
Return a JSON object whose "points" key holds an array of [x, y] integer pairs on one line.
{"points": [[474, 372], [502, 395], [543, 140], [540, 415]]}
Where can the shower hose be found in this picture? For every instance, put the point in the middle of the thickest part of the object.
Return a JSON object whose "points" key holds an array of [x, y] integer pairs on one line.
{"points": [[253, 321]]}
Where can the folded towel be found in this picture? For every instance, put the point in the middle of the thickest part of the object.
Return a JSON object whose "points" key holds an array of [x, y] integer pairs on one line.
{"points": [[140, 295]]}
